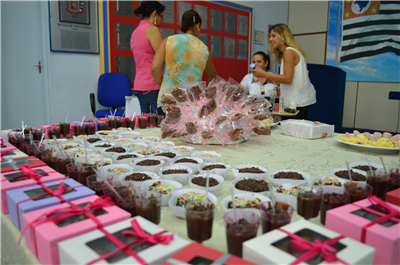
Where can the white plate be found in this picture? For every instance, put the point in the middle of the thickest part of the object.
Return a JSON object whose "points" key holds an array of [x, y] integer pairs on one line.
{"points": [[369, 147]]}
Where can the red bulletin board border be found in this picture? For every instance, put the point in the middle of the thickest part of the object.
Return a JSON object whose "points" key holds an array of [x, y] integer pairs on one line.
{"points": [[225, 67]]}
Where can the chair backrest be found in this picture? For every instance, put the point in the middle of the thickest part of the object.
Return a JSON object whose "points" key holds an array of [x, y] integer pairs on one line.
{"points": [[112, 89], [330, 83]]}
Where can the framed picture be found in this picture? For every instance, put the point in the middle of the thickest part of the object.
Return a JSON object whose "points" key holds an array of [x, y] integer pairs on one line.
{"points": [[258, 37]]}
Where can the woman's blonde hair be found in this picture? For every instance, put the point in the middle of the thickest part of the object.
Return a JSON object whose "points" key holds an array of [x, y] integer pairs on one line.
{"points": [[280, 30]]}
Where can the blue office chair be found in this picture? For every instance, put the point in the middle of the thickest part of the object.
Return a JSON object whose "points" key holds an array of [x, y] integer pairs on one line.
{"points": [[111, 91], [330, 83]]}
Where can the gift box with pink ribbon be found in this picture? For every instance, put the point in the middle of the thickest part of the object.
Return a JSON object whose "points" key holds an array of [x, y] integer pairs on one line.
{"points": [[40, 196], [12, 164], [14, 153], [393, 197], [196, 253], [303, 242], [46, 227], [133, 241], [25, 177], [370, 221], [7, 146]]}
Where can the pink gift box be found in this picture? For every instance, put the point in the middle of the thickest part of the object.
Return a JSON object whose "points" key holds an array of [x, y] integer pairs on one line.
{"points": [[6, 185], [8, 147], [347, 221], [43, 239], [393, 197]]}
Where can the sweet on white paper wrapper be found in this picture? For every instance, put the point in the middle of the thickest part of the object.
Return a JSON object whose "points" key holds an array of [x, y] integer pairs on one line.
{"points": [[306, 129], [221, 113], [76, 250], [260, 250]]}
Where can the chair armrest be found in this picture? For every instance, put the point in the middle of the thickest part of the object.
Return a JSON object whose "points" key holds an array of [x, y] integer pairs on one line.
{"points": [[93, 104]]}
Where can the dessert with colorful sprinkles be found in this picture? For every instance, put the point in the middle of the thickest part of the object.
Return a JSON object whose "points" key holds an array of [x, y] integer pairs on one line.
{"points": [[137, 177], [82, 136], [161, 188], [124, 140], [182, 149], [69, 146], [105, 162], [292, 191], [207, 154], [329, 182], [111, 137], [188, 197], [245, 203], [134, 145], [117, 171], [148, 151]]}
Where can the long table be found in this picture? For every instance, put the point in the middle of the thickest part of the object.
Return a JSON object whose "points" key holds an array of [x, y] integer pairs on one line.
{"points": [[274, 152]]}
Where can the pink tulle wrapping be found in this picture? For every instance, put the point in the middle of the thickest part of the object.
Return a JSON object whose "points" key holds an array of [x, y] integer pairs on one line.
{"points": [[199, 113]]}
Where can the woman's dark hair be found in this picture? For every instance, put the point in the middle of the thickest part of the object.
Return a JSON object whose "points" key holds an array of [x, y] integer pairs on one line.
{"points": [[146, 8], [189, 19], [266, 58]]}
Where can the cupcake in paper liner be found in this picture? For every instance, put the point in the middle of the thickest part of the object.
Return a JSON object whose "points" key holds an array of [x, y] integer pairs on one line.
{"points": [[136, 178], [191, 162], [104, 132], [336, 183], [209, 156], [49, 143], [342, 174], [163, 186], [79, 153], [126, 158], [147, 164], [184, 150], [251, 185], [99, 162], [122, 141], [199, 182], [147, 152], [109, 152], [167, 156], [245, 202], [129, 134], [116, 169], [100, 146], [218, 168], [79, 139], [163, 145], [364, 166], [289, 176], [148, 139], [286, 193], [178, 173], [180, 197], [250, 171], [135, 146], [110, 137]]}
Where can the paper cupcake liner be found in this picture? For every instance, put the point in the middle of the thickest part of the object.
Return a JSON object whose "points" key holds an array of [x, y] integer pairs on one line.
{"points": [[260, 176], [236, 180], [163, 145], [317, 178], [168, 160], [180, 211], [129, 134], [209, 156], [176, 149], [114, 137], [99, 149], [246, 196], [154, 169], [194, 167], [110, 154], [126, 160], [116, 176], [215, 189], [164, 197], [377, 166], [99, 133], [278, 182], [218, 171], [181, 178], [286, 198], [138, 184], [148, 139], [348, 180], [140, 145], [122, 141]]}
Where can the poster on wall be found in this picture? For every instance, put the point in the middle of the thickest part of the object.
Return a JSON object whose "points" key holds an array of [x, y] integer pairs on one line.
{"points": [[363, 40], [74, 26]]}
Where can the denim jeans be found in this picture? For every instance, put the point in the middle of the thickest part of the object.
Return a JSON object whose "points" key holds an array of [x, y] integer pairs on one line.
{"points": [[148, 99]]}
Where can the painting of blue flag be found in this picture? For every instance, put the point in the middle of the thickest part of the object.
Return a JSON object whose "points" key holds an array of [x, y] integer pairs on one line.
{"points": [[364, 39]]}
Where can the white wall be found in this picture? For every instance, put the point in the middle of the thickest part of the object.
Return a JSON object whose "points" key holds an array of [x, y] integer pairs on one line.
{"points": [[267, 13]]}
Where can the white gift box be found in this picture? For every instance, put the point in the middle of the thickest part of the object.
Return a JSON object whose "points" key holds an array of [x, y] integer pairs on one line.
{"points": [[261, 250], [82, 249], [306, 129]]}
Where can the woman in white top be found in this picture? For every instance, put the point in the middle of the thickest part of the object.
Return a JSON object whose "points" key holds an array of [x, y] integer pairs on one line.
{"points": [[293, 78], [261, 86]]}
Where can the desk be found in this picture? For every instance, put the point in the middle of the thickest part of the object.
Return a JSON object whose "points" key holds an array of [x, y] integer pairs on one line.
{"points": [[274, 152]]}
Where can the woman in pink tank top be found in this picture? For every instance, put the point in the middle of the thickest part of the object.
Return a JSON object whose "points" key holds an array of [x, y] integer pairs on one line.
{"points": [[145, 40]]}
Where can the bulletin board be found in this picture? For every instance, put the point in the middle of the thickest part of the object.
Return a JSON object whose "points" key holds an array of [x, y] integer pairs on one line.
{"points": [[226, 29]]}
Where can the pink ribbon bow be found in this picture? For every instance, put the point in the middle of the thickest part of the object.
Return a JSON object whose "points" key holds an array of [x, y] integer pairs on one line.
{"points": [[4, 153], [314, 248], [28, 172], [158, 238]]}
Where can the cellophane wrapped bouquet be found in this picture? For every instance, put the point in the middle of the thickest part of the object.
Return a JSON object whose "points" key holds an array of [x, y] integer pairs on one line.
{"points": [[221, 113]]}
